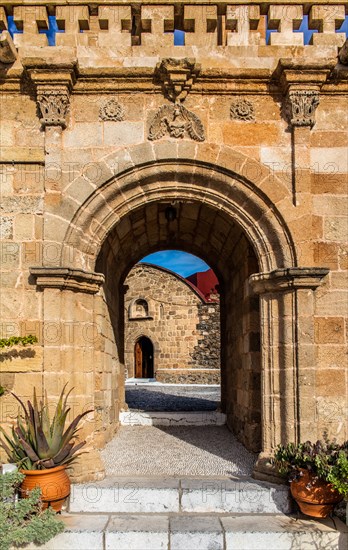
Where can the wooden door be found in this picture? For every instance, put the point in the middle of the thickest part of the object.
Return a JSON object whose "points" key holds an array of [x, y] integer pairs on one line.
{"points": [[138, 360]]}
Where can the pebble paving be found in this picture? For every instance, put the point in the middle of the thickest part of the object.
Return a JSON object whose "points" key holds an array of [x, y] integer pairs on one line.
{"points": [[178, 450]]}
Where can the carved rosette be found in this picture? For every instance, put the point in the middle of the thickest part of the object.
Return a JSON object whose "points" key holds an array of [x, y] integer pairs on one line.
{"points": [[111, 110], [301, 106], [242, 109], [53, 104], [177, 122]]}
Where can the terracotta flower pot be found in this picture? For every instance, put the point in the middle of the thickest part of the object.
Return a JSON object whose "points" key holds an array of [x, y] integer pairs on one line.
{"points": [[53, 482], [315, 497]]}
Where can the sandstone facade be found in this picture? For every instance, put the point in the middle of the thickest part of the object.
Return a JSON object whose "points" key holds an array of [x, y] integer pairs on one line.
{"points": [[247, 140], [183, 328]]}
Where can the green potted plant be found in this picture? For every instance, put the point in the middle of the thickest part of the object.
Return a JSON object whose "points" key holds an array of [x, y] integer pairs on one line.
{"points": [[317, 472], [24, 521], [42, 448]]}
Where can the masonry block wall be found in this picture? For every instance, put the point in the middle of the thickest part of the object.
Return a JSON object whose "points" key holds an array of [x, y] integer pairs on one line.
{"points": [[183, 328], [243, 131], [243, 394]]}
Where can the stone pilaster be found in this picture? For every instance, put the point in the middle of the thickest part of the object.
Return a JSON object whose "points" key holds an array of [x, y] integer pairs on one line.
{"points": [[301, 82], [53, 86], [288, 367], [73, 336]]}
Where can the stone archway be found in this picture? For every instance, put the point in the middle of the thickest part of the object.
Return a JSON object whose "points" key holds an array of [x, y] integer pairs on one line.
{"points": [[221, 209]]}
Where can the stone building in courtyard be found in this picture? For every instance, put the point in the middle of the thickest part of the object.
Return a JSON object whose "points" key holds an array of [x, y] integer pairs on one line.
{"points": [[172, 329], [241, 134]]}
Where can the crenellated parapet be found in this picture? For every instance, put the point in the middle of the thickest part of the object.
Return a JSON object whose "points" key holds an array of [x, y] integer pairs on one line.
{"points": [[152, 25], [64, 49]]}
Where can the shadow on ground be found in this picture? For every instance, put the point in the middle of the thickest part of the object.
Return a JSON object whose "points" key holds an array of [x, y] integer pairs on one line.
{"points": [[172, 399]]}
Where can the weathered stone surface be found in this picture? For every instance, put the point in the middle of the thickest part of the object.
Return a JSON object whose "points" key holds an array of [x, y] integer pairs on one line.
{"points": [[253, 197], [329, 330], [123, 133], [6, 228], [198, 532]]}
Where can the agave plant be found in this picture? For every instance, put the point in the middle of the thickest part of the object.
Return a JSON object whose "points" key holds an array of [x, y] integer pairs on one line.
{"points": [[37, 443]]}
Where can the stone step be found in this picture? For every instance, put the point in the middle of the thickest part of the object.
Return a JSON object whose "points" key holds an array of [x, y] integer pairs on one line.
{"points": [[198, 532], [190, 418], [162, 495]]}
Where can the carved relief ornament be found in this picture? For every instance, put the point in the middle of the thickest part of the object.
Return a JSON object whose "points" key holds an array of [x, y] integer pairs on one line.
{"points": [[177, 76], [111, 110], [301, 106], [177, 122], [53, 103], [242, 109]]}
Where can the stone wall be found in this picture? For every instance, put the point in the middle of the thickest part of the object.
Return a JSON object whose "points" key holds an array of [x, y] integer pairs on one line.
{"points": [[93, 149], [243, 374], [207, 352], [184, 329]]}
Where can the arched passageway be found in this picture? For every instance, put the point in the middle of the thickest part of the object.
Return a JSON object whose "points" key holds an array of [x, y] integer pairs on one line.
{"points": [[217, 238], [231, 223], [143, 358]]}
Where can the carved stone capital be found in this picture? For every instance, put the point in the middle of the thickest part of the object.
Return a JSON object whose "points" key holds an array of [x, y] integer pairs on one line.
{"points": [[177, 77], [66, 278], [53, 84], [288, 279], [301, 106], [53, 103], [177, 122]]}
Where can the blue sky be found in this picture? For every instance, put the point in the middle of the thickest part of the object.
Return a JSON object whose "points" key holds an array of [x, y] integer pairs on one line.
{"points": [[180, 262]]}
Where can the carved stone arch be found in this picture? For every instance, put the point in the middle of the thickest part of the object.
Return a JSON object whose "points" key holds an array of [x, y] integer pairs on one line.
{"points": [[218, 176], [250, 198]]}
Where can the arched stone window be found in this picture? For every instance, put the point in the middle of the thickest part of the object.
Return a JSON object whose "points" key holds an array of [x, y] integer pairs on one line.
{"points": [[139, 309]]}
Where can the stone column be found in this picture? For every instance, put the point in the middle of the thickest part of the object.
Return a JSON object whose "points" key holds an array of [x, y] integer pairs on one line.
{"points": [[77, 351], [288, 367]]}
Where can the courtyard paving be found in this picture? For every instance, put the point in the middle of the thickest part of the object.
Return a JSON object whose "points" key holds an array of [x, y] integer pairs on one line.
{"points": [[171, 397], [175, 450]]}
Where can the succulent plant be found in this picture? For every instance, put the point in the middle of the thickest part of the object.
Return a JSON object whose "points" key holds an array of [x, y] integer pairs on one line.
{"points": [[24, 521], [36, 442]]}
